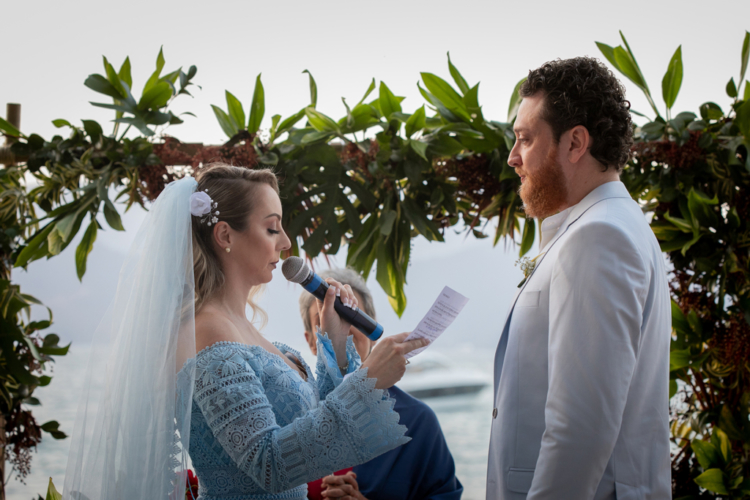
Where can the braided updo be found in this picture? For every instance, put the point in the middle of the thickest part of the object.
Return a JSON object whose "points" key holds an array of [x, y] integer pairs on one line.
{"points": [[233, 190]]}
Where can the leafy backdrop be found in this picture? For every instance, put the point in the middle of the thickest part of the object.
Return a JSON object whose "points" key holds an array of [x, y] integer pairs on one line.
{"points": [[380, 176]]}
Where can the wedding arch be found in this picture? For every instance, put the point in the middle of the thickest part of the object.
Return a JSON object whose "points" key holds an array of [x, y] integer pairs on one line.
{"points": [[375, 179]]}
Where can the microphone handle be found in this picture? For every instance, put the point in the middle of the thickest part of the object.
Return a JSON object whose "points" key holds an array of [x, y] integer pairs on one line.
{"points": [[355, 316]]}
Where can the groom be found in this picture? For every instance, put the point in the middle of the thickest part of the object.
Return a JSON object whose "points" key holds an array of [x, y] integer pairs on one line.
{"points": [[582, 366]]}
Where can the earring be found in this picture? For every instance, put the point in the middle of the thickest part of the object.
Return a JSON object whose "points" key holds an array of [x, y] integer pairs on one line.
{"points": [[227, 249]]}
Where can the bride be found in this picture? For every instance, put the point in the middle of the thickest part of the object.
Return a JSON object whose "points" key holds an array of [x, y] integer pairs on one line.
{"points": [[188, 378]]}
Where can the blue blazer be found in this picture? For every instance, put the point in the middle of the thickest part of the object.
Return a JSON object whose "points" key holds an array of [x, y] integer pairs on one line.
{"points": [[421, 469]]}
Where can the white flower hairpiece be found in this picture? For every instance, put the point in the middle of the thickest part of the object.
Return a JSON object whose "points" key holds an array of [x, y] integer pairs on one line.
{"points": [[201, 205]]}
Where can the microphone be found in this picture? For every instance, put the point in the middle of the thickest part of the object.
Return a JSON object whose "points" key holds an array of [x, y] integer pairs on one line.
{"points": [[295, 270]]}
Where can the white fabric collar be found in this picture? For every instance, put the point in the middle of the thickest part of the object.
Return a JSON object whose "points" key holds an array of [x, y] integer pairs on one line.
{"points": [[551, 225]]}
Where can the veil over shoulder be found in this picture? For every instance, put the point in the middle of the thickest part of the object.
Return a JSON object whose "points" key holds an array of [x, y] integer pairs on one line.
{"points": [[132, 430]]}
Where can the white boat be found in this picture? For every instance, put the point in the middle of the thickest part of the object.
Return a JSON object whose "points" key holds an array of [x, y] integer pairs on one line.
{"points": [[432, 375]]}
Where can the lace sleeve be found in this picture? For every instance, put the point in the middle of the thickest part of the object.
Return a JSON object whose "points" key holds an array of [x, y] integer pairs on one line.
{"points": [[327, 372], [353, 425]]}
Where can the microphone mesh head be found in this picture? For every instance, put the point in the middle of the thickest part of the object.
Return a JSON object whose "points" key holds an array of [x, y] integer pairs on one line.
{"points": [[294, 269]]}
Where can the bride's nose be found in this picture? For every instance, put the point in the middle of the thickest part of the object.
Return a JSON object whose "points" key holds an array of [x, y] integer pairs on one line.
{"points": [[284, 243]]}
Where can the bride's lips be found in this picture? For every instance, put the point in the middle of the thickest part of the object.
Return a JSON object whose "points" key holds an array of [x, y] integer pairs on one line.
{"points": [[274, 264]]}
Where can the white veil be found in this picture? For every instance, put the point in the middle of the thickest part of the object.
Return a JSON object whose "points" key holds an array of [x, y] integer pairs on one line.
{"points": [[132, 429]]}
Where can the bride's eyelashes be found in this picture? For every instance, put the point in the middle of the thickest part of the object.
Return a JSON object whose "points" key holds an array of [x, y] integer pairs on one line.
{"points": [[273, 232]]}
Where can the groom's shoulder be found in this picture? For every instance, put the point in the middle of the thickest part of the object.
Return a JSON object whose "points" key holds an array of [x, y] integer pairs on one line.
{"points": [[614, 224], [618, 215]]}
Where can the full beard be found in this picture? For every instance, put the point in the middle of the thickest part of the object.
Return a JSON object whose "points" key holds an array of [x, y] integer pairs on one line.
{"points": [[544, 193]]}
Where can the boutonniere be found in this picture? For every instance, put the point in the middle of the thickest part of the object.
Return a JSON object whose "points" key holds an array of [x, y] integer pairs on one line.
{"points": [[527, 266]]}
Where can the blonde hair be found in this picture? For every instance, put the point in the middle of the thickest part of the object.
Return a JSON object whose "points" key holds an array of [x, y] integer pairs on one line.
{"points": [[233, 189]]}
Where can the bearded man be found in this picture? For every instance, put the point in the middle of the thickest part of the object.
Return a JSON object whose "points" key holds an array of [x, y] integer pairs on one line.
{"points": [[582, 365]]}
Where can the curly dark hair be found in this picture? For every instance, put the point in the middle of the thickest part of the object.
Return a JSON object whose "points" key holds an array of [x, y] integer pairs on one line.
{"points": [[582, 91]]}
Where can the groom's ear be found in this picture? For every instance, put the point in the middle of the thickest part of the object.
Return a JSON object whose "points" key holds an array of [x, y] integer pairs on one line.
{"points": [[578, 143]]}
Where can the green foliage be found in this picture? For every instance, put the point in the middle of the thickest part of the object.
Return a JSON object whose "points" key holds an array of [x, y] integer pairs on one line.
{"points": [[692, 173], [52, 493], [381, 175], [378, 177], [43, 205], [150, 109]]}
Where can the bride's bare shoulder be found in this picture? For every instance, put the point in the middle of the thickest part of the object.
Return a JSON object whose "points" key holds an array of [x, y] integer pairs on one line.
{"points": [[211, 326]]}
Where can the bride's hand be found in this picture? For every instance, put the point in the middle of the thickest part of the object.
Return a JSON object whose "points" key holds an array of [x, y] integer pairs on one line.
{"points": [[330, 321], [387, 363]]}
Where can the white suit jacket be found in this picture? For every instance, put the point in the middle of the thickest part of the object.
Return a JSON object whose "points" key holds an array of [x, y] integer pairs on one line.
{"points": [[582, 367]]}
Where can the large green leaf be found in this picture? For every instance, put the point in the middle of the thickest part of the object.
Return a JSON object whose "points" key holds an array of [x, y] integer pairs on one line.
{"points": [[416, 122], [700, 207], [85, 247], [125, 73], [729, 425], [515, 100], [258, 107], [138, 123], [31, 251], [419, 220], [93, 130], [100, 84], [236, 113], [389, 278], [229, 128], [114, 78], [156, 75], [712, 480], [670, 85], [290, 122], [387, 218], [313, 89], [624, 61], [720, 439], [361, 119], [388, 102], [321, 122], [679, 222], [9, 129], [679, 322], [156, 97], [745, 56], [632, 58], [731, 88], [679, 359], [462, 85], [706, 453], [52, 493], [742, 119], [527, 239], [609, 53], [368, 92], [442, 91], [627, 66], [444, 145]]}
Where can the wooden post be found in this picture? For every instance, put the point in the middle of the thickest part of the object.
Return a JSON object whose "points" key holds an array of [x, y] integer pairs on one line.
{"points": [[13, 113], [14, 118]]}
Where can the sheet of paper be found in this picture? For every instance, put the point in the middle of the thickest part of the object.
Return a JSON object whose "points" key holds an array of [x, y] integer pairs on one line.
{"points": [[440, 316]]}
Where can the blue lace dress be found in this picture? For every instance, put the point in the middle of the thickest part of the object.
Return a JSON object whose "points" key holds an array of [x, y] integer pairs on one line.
{"points": [[261, 432]]}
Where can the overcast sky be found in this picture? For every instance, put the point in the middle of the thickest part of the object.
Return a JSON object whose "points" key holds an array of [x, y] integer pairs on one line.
{"points": [[51, 47]]}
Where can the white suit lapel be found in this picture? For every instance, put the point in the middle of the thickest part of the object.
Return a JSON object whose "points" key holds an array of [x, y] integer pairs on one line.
{"points": [[608, 190]]}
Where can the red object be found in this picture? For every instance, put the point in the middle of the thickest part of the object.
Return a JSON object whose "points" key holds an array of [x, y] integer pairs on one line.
{"points": [[314, 489], [191, 488]]}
